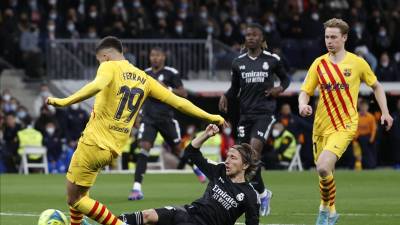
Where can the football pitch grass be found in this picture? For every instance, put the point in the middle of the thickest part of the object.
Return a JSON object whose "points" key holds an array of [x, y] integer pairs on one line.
{"points": [[367, 197]]}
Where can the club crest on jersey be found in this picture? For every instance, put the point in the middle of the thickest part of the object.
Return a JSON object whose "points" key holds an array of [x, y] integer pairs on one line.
{"points": [[347, 72], [242, 67], [240, 197], [161, 77], [265, 66]]}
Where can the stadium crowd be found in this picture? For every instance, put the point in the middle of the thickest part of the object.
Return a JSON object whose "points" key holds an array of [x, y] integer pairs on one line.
{"points": [[59, 129], [293, 28]]}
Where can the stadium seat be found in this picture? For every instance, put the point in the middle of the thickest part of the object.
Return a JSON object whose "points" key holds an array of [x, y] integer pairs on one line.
{"points": [[25, 165], [296, 161]]}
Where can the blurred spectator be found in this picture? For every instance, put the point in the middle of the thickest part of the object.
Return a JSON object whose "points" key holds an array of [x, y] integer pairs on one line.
{"points": [[29, 137], [11, 129], [23, 116], [31, 53], [284, 143], [228, 36], [382, 40], [76, 122], [365, 136], [386, 70], [47, 114], [363, 52], [40, 99], [227, 141], [52, 141], [395, 136]]}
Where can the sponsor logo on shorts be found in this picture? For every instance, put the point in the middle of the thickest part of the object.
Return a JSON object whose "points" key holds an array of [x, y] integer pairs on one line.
{"points": [[259, 133]]}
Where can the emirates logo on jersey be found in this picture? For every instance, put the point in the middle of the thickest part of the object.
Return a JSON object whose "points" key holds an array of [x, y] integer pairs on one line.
{"points": [[347, 72]]}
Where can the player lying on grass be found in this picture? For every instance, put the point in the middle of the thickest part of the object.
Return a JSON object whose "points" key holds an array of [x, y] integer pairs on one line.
{"points": [[227, 197]]}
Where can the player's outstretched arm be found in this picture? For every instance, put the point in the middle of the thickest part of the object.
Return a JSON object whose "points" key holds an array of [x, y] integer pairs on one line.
{"points": [[161, 93], [381, 99], [84, 93], [304, 108]]}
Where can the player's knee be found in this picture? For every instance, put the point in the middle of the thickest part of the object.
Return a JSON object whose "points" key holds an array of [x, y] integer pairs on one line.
{"points": [[323, 169], [149, 216]]}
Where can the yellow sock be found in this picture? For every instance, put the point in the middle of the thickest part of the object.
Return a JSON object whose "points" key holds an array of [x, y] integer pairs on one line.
{"points": [[325, 186], [76, 217], [96, 211]]}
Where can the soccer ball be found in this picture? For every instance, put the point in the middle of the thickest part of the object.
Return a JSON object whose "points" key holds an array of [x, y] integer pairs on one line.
{"points": [[52, 217]]}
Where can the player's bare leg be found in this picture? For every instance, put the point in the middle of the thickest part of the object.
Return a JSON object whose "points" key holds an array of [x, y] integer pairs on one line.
{"points": [[74, 194], [325, 167], [258, 183]]}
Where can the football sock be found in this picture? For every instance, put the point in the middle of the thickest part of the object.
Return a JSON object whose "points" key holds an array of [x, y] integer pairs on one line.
{"points": [[135, 218], [327, 189], [258, 182], [96, 211], [76, 217], [141, 166]]}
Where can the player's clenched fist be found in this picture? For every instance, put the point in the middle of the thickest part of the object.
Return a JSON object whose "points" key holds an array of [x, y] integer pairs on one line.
{"points": [[211, 130], [305, 110]]}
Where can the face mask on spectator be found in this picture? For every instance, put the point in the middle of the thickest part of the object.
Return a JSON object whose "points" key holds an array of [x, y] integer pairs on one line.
{"points": [[203, 15], [53, 16], [275, 133], [385, 64], [92, 35], [382, 33], [179, 29], [184, 6], [51, 28], [227, 131], [397, 56], [44, 94], [182, 15], [93, 14], [190, 130], [52, 2], [21, 114], [136, 4], [228, 33], [50, 130], [75, 106], [160, 14], [358, 28], [71, 27], [13, 107], [315, 16], [120, 4], [52, 109], [210, 29], [6, 97], [271, 19], [249, 20], [267, 28]]}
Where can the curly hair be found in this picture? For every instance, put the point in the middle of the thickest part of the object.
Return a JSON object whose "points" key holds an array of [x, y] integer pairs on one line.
{"points": [[249, 157]]}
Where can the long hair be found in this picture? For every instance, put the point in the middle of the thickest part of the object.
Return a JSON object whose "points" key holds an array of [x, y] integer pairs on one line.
{"points": [[250, 158]]}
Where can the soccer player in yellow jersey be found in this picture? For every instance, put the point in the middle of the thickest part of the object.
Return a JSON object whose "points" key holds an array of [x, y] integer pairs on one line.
{"points": [[120, 90], [338, 75]]}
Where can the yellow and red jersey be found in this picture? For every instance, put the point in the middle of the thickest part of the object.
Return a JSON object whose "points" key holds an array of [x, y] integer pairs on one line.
{"points": [[339, 85]]}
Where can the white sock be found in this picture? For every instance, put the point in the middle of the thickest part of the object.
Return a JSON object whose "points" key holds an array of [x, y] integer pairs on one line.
{"points": [[323, 208], [264, 194], [137, 186]]}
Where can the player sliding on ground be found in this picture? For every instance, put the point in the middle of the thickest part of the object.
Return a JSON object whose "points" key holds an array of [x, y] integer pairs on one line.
{"points": [[338, 75], [228, 194], [120, 90]]}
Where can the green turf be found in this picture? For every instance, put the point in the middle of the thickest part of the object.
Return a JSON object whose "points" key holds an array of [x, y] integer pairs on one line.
{"points": [[371, 198]]}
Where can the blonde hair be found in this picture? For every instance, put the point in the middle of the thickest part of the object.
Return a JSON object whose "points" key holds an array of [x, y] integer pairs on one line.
{"points": [[338, 23]]}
